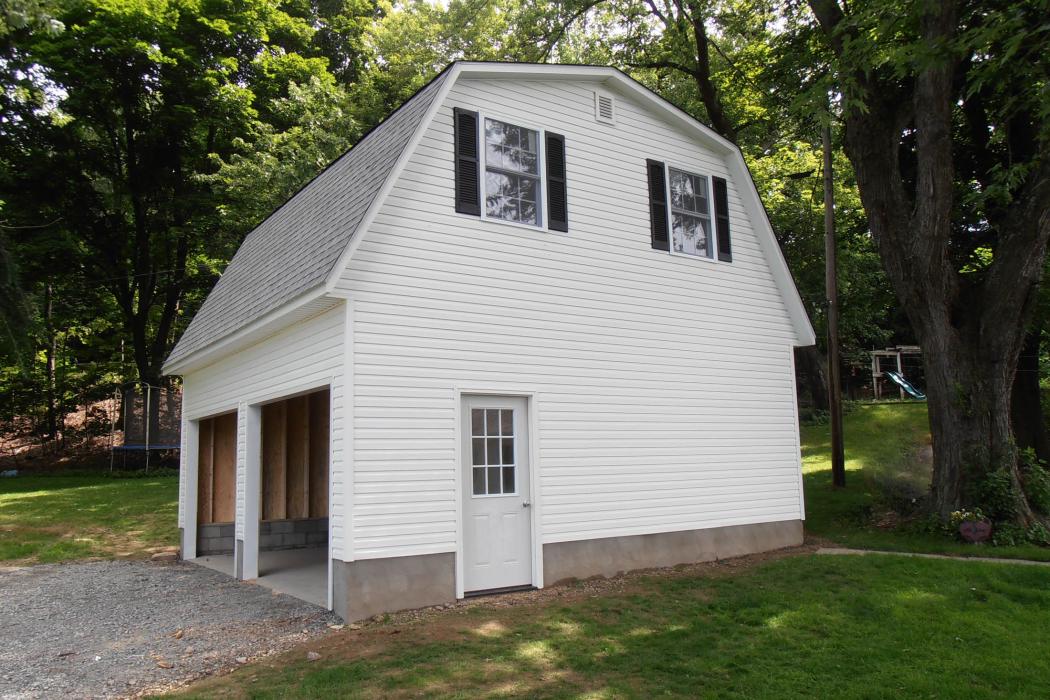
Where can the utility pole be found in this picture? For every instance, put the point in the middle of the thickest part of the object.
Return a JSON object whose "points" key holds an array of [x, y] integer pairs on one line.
{"points": [[838, 454]]}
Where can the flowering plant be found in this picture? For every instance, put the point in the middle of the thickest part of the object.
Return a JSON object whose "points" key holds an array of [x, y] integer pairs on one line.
{"points": [[959, 517]]}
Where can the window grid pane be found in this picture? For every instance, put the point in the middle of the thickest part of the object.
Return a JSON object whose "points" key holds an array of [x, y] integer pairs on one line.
{"points": [[690, 214], [492, 451], [512, 185]]}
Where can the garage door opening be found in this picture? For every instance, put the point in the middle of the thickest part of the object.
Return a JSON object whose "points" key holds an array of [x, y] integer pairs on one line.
{"points": [[293, 525], [292, 496], [216, 485]]}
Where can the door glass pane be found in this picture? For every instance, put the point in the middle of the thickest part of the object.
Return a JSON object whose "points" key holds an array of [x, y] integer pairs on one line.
{"points": [[494, 479], [508, 480], [506, 422], [477, 421], [479, 481], [493, 451], [508, 451], [492, 421], [479, 451]]}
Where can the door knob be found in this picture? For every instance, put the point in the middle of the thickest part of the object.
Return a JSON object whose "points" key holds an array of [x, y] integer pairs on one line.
{"points": [[525, 504]]}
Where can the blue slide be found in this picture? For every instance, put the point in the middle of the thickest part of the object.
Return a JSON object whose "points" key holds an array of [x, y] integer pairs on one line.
{"points": [[906, 385]]}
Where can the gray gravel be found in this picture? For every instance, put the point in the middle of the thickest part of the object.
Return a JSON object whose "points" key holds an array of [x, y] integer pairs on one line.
{"points": [[118, 628]]}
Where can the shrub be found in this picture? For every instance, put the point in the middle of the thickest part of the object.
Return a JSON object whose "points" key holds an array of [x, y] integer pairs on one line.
{"points": [[998, 495], [1036, 481]]}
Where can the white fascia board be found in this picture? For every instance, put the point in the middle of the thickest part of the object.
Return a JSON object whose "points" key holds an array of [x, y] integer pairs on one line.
{"points": [[391, 179], [756, 212], [255, 331]]}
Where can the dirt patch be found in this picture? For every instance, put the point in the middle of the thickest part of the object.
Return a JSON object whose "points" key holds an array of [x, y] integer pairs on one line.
{"points": [[449, 623]]}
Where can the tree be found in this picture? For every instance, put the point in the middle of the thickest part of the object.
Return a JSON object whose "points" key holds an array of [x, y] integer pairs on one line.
{"points": [[310, 128], [945, 110], [114, 122]]}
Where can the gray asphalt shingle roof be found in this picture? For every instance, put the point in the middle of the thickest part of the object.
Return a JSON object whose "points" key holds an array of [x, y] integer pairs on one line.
{"points": [[296, 247]]}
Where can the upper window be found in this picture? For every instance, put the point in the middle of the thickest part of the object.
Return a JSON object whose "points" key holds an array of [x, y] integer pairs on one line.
{"points": [[690, 214], [512, 173]]}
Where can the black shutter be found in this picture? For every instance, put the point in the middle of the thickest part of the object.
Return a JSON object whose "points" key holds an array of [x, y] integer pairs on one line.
{"points": [[468, 200], [658, 204], [557, 202], [725, 245]]}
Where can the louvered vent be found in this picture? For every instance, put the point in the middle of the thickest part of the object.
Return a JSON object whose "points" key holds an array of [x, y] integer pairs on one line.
{"points": [[604, 108]]}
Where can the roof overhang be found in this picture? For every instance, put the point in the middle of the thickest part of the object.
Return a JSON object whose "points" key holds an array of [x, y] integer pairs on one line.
{"points": [[306, 305]]}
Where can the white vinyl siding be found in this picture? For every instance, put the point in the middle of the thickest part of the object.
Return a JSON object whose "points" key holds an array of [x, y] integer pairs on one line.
{"points": [[663, 387], [306, 355]]}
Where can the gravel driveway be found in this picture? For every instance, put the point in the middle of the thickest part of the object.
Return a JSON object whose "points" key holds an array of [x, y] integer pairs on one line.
{"points": [[117, 628]]}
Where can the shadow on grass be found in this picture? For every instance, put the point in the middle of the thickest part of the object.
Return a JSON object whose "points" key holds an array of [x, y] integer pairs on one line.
{"points": [[800, 627]]}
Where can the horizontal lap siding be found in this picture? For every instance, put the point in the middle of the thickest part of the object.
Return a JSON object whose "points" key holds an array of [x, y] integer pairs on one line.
{"points": [[664, 384], [307, 354]]}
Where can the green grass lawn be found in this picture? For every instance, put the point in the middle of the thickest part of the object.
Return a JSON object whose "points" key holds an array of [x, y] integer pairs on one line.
{"points": [[798, 627], [883, 444], [58, 518]]}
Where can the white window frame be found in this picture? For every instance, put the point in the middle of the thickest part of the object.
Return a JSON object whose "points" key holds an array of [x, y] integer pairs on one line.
{"points": [[713, 235], [517, 457], [541, 154]]}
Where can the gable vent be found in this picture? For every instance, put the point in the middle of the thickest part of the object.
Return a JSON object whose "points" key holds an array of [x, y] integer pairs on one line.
{"points": [[604, 108]]}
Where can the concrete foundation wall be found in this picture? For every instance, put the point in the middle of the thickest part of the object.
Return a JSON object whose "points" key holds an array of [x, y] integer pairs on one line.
{"points": [[217, 538], [613, 555], [367, 587]]}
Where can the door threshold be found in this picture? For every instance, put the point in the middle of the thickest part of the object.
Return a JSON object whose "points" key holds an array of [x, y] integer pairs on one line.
{"points": [[497, 591]]}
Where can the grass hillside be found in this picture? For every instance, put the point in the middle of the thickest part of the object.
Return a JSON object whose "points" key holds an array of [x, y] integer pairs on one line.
{"points": [[888, 463]]}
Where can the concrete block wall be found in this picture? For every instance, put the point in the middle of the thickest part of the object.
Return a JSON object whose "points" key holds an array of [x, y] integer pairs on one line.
{"points": [[217, 538]]}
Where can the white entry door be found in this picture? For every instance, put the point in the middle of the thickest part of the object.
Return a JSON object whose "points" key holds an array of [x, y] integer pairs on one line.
{"points": [[497, 514]]}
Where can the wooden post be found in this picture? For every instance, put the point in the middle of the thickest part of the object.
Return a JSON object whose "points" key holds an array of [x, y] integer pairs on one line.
{"points": [[838, 456]]}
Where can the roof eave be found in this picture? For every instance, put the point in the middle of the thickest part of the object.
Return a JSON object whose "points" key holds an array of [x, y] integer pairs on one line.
{"points": [[262, 327]]}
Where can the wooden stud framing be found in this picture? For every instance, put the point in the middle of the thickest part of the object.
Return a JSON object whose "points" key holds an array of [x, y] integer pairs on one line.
{"points": [[295, 436], [319, 432], [217, 469]]}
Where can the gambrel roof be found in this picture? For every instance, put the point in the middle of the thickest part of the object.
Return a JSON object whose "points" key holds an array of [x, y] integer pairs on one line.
{"points": [[289, 263], [295, 248]]}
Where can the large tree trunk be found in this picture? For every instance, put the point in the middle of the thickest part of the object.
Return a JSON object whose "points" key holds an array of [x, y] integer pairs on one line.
{"points": [[1026, 407], [968, 389], [971, 326]]}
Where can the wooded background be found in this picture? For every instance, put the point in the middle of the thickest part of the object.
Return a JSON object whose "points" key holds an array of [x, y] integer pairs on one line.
{"points": [[141, 140]]}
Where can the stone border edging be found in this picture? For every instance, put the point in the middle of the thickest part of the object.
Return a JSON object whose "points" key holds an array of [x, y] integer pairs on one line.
{"points": [[836, 551]]}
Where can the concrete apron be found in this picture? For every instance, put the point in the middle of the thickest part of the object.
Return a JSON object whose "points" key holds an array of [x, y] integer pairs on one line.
{"points": [[300, 573]]}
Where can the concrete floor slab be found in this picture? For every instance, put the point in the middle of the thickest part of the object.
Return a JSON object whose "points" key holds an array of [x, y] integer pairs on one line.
{"points": [[301, 573]]}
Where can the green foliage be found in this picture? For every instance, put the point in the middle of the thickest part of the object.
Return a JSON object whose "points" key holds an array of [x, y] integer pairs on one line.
{"points": [[1010, 534], [26, 16], [312, 125], [1036, 481], [997, 493]]}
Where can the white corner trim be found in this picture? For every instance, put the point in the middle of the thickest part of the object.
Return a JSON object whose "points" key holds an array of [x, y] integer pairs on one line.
{"points": [[798, 437], [349, 552]]}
